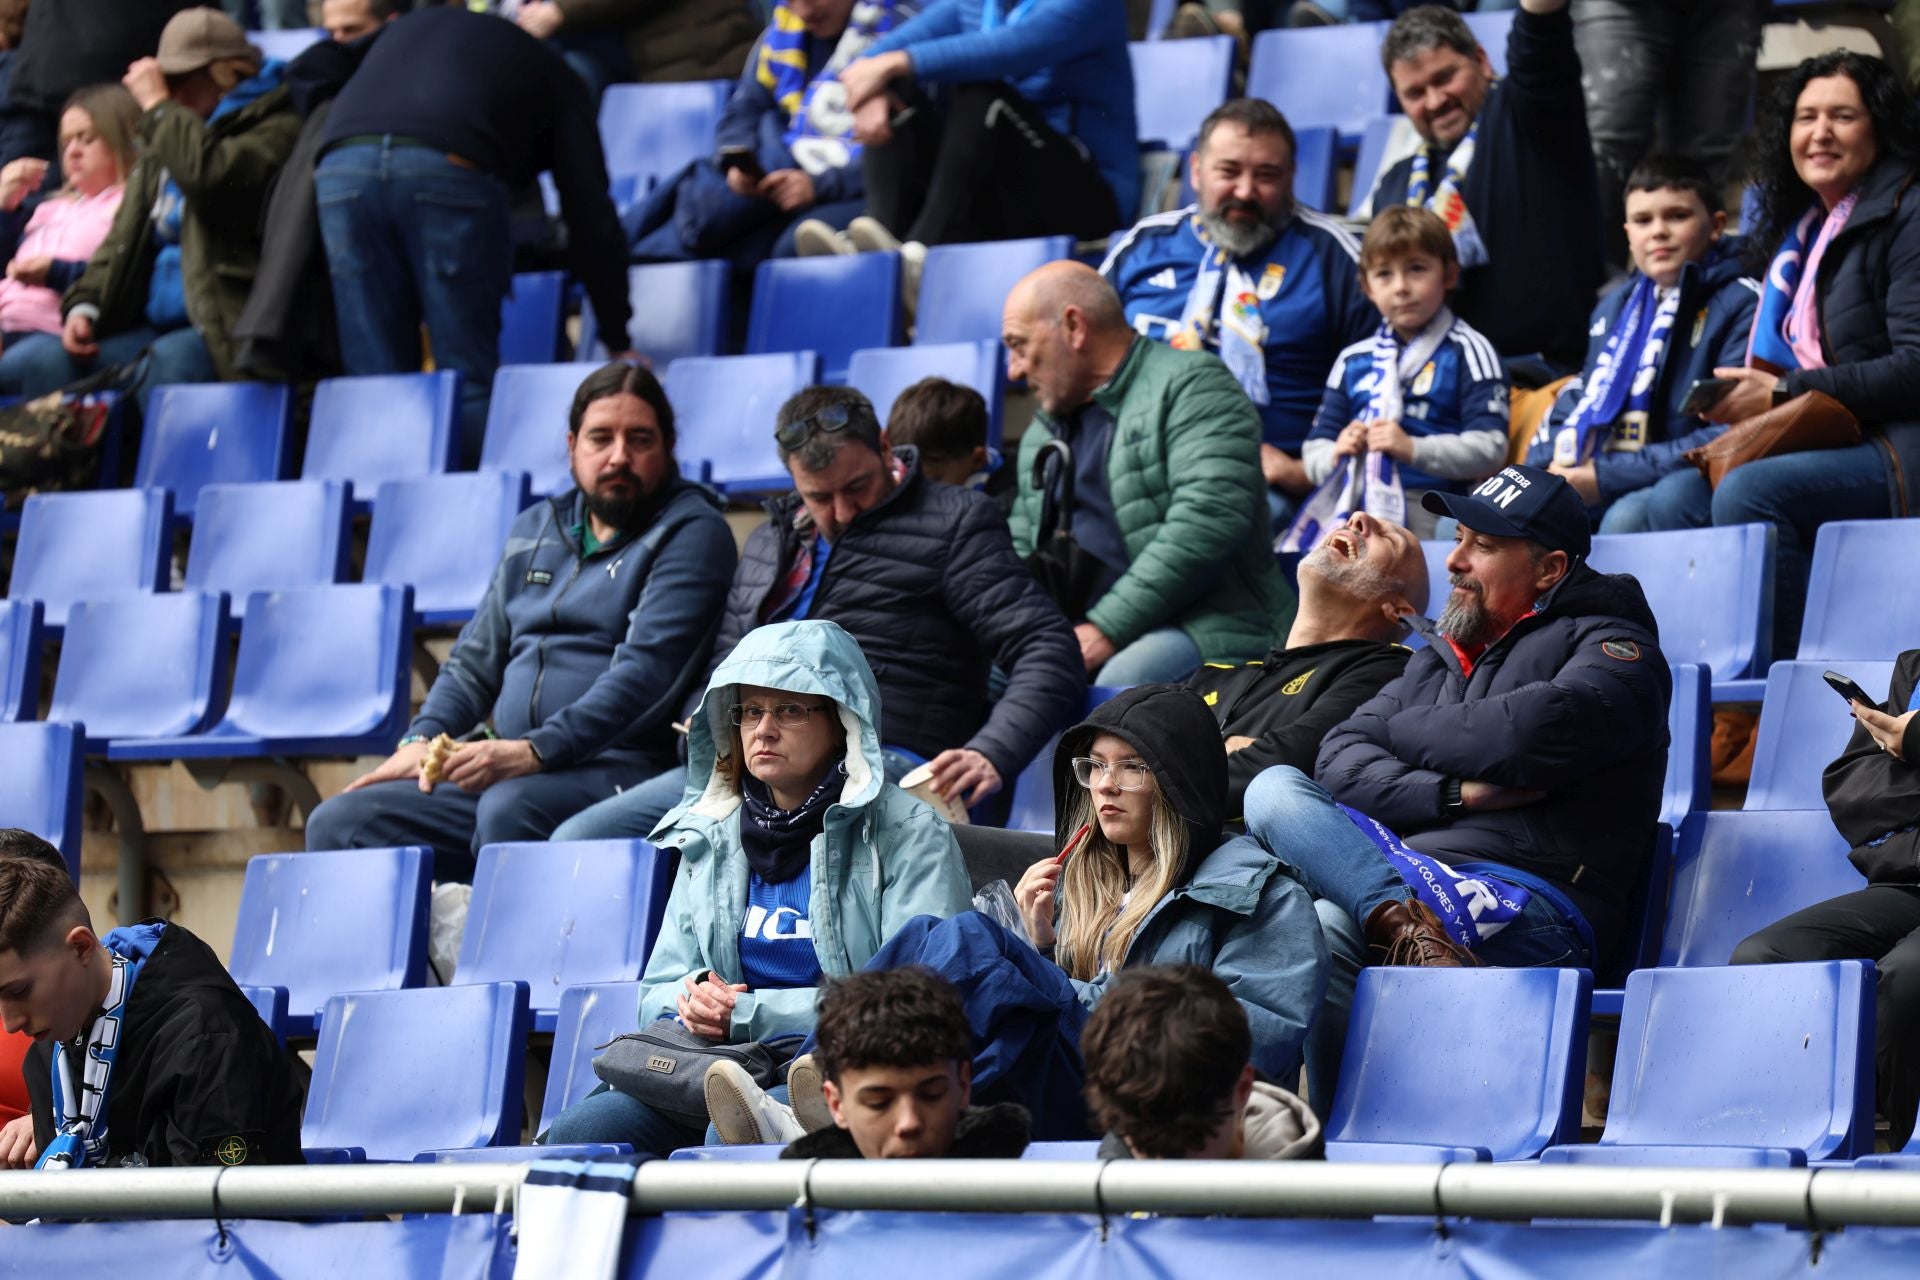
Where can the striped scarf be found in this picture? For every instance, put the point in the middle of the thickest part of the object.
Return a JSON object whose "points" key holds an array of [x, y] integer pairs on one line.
{"points": [[819, 125]]}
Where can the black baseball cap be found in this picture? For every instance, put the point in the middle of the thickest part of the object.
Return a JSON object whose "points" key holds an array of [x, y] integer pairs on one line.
{"points": [[1521, 502]]}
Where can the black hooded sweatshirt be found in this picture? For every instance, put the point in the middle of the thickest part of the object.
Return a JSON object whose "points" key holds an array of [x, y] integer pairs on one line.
{"points": [[1171, 729]]}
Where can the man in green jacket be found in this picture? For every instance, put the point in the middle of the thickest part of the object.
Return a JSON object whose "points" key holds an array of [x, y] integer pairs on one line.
{"points": [[1168, 507]]}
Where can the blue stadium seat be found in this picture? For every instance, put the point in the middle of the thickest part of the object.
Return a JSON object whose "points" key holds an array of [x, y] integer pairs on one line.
{"points": [[1803, 726], [1316, 163], [142, 666], [556, 915], [1735, 873], [310, 522], [386, 427], [527, 423], [725, 406], [1860, 597], [1033, 803], [531, 318], [1082, 1150], [1322, 76], [1491, 30], [442, 536], [834, 305], [1374, 139], [322, 671], [1752, 1066], [883, 373], [1639, 943], [396, 1073], [748, 1154], [40, 784], [198, 434], [964, 287], [271, 1004], [1690, 726], [1460, 1065], [1175, 84], [312, 925], [90, 546], [288, 44], [1159, 14], [20, 641], [652, 130], [1711, 590], [679, 309]]}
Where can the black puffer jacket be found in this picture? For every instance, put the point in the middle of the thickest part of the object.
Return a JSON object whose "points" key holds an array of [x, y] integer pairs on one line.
{"points": [[1870, 794], [1571, 701], [928, 584], [1869, 300]]}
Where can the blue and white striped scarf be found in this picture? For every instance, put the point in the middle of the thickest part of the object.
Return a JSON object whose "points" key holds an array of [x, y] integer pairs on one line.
{"points": [[1636, 342], [819, 126]]}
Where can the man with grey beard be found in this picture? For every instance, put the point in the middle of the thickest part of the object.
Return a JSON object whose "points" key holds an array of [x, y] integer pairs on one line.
{"points": [[1358, 589], [1270, 287]]}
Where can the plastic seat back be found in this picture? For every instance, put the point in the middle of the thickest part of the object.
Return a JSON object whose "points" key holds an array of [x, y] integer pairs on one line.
{"points": [[1316, 166], [20, 641], [724, 408], [555, 915], [1491, 29], [964, 287], [1375, 139], [651, 130], [443, 536], [679, 309], [590, 1015], [527, 423], [396, 1073], [1803, 726], [1689, 783], [90, 546], [288, 44], [833, 305], [197, 434], [386, 427], [317, 924], [1461, 1064], [41, 784], [1321, 75], [1860, 598], [1735, 873], [1175, 84], [1710, 589], [531, 317], [882, 373], [310, 523], [142, 666]]}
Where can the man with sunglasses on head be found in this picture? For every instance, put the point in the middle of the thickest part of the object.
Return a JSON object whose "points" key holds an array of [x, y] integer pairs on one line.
{"points": [[924, 577]]}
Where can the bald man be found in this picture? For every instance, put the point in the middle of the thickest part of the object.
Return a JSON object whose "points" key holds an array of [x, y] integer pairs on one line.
{"points": [[1169, 507]]}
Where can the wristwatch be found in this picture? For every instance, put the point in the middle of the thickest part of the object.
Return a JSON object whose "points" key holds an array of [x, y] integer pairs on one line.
{"points": [[1780, 393], [1451, 805]]}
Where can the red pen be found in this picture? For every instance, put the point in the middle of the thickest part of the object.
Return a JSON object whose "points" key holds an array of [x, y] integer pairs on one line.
{"points": [[1072, 844]]}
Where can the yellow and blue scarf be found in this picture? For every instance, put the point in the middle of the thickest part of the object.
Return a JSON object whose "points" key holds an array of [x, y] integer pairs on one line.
{"points": [[819, 125]]}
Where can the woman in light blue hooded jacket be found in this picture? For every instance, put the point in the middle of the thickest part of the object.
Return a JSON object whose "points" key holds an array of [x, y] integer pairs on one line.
{"points": [[793, 869]]}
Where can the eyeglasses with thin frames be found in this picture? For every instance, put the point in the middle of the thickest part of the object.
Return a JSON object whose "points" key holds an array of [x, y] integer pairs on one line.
{"points": [[1128, 775], [788, 715]]}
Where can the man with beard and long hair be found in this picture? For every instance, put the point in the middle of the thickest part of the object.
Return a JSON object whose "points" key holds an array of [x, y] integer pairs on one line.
{"points": [[1270, 287], [563, 688]]}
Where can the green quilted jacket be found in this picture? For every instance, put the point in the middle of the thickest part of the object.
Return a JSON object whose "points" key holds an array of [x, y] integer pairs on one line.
{"points": [[1184, 474]]}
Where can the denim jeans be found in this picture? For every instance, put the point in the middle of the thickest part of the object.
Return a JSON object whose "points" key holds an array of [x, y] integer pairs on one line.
{"points": [[607, 1115], [1677, 500], [1167, 653], [39, 364], [414, 238]]}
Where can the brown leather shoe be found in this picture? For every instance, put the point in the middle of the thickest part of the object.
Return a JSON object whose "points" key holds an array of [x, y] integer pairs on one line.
{"points": [[1408, 933]]}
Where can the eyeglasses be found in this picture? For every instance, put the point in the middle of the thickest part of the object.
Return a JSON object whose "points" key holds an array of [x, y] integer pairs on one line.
{"points": [[1128, 775], [833, 418], [788, 715]]}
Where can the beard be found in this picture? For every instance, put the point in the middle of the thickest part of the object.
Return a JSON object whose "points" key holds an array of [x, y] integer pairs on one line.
{"points": [[1241, 239], [1466, 620], [1358, 578], [628, 512]]}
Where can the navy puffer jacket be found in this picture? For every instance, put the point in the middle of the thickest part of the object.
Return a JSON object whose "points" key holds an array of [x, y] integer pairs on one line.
{"points": [[1572, 701]]}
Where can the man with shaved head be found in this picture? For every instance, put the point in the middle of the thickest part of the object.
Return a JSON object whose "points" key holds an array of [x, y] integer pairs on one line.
{"points": [[1168, 506]]}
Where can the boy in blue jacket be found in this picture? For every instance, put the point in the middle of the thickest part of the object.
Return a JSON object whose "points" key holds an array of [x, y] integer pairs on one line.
{"points": [[1618, 433]]}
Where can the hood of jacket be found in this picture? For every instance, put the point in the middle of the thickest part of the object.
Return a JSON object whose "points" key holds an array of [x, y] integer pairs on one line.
{"points": [[999, 1132], [810, 657], [1277, 1125], [1175, 734], [1586, 592]]}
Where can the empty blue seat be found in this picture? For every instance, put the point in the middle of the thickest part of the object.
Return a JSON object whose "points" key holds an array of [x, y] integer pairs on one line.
{"points": [[1081, 1150], [834, 305], [1860, 597], [1322, 75], [1033, 804], [271, 1004], [142, 666], [1710, 589], [527, 423], [90, 546], [1803, 726], [1175, 84], [724, 408], [322, 671], [531, 318], [964, 287], [1461, 1065], [288, 44], [882, 373], [1374, 141], [1735, 873], [1746, 1066], [678, 309], [651, 130], [309, 520], [386, 427], [312, 925], [556, 915], [197, 434], [442, 536], [1316, 165], [1689, 784], [1491, 30], [41, 770], [20, 642], [396, 1073]]}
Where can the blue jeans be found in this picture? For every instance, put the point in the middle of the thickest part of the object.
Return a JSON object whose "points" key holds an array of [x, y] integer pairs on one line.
{"points": [[414, 238], [1677, 500], [608, 1115], [1796, 493], [39, 364], [1165, 654]]}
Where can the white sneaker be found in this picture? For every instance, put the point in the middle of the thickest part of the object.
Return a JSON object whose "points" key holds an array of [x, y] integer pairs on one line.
{"points": [[807, 1098], [742, 1111], [815, 239], [870, 235], [913, 261]]}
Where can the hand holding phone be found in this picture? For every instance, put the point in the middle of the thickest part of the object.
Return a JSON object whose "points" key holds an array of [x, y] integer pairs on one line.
{"points": [[1847, 689], [1704, 394], [743, 159]]}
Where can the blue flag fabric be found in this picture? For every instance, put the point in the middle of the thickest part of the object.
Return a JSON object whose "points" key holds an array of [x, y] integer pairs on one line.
{"points": [[1473, 908]]}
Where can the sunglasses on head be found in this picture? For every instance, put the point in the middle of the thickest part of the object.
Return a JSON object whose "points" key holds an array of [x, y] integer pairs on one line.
{"points": [[835, 417]]}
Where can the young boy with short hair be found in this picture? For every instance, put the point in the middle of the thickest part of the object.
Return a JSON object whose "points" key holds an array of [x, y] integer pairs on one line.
{"points": [[1618, 433], [947, 423], [1426, 391], [145, 1051]]}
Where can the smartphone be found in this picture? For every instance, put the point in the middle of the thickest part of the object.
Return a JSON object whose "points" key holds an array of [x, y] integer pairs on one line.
{"points": [[743, 159], [1704, 394], [1847, 688]]}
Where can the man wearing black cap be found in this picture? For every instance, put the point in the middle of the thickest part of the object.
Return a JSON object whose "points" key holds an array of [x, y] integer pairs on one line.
{"points": [[1501, 794]]}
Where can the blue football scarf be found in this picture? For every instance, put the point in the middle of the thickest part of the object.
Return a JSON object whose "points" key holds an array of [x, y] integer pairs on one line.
{"points": [[80, 1106], [1473, 908], [819, 126], [1621, 383], [1768, 346], [1446, 200], [1224, 299]]}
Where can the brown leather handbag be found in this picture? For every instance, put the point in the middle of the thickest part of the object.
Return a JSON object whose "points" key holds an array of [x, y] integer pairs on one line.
{"points": [[1811, 420]]}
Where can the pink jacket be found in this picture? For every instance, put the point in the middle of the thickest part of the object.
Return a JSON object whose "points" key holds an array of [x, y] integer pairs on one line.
{"points": [[63, 227]]}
